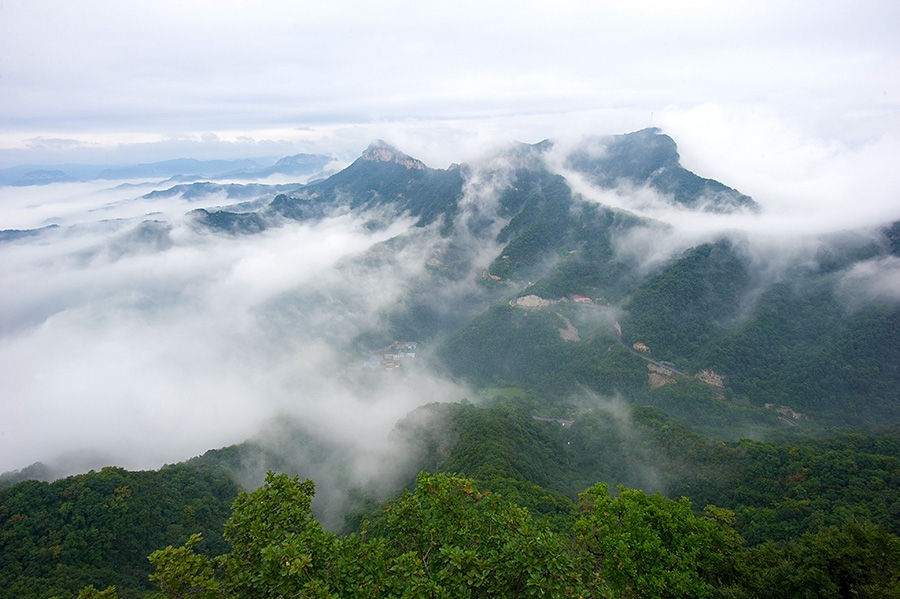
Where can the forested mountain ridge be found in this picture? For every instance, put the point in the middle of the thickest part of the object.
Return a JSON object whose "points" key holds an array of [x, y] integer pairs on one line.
{"points": [[810, 513], [797, 340], [98, 528], [709, 370], [381, 177]]}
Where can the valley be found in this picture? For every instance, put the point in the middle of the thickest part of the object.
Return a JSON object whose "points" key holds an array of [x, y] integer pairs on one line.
{"points": [[562, 337]]}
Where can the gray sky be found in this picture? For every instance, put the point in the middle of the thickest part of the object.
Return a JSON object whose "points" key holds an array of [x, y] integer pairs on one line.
{"points": [[106, 81]]}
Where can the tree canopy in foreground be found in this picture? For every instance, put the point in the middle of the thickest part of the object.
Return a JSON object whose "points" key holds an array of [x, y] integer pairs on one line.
{"points": [[447, 539]]}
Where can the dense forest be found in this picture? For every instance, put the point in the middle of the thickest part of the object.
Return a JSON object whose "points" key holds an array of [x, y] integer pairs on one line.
{"points": [[98, 528], [513, 507]]}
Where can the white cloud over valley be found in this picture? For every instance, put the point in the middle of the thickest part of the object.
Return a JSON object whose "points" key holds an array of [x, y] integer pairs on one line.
{"points": [[154, 342], [152, 356]]}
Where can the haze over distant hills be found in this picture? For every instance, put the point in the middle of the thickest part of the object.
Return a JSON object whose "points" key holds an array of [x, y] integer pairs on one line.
{"points": [[550, 316], [538, 267], [184, 168]]}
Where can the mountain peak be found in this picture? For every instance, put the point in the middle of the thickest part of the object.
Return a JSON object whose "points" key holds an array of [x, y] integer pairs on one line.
{"points": [[380, 151], [650, 157]]}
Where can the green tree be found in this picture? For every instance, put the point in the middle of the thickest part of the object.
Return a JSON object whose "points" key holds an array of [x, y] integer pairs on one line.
{"points": [[90, 592], [279, 549], [181, 572], [858, 559], [445, 539], [450, 540], [647, 546]]}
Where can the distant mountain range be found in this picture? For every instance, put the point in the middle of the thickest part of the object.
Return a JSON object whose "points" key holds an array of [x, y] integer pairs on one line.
{"points": [[594, 350], [712, 330], [188, 169], [788, 342]]}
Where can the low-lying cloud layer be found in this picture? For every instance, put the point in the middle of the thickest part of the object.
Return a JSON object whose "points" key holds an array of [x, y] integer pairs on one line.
{"points": [[129, 336], [144, 342], [806, 191]]}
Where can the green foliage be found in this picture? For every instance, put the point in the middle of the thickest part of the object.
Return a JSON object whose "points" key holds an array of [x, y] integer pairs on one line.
{"points": [[279, 549], [449, 537], [181, 572], [504, 441], [826, 504], [778, 491], [679, 311], [89, 592], [712, 413], [446, 539], [457, 542], [606, 368], [641, 545], [858, 559], [537, 231], [799, 347], [566, 245], [98, 528], [480, 349]]}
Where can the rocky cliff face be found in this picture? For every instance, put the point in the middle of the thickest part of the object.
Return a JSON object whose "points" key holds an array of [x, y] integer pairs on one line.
{"points": [[380, 151]]}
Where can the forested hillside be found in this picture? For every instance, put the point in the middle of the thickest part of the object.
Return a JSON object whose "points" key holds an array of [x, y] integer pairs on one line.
{"points": [[824, 510], [621, 377], [98, 528], [800, 336]]}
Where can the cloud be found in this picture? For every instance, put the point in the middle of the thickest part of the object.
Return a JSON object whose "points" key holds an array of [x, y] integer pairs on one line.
{"points": [[45, 143], [192, 340], [804, 184], [272, 71], [873, 281]]}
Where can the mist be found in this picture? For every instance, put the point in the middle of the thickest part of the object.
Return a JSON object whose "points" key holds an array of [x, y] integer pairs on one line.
{"points": [[811, 194], [141, 340], [130, 336]]}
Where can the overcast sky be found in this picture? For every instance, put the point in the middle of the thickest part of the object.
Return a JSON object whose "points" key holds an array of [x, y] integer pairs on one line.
{"points": [[107, 81]]}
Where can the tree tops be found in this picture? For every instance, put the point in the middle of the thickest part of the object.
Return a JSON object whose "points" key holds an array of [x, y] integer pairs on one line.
{"points": [[448, 539]]}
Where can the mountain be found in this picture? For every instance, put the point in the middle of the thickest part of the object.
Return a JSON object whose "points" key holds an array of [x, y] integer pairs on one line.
{"points": [[763, 383], [296, 165], [33, 174], [382, 177], [300, 165], [650, 158], [201, 189], [14, 234], [43, 177], [514, 258], [708, 321], [181, 166], [185, 169]]}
